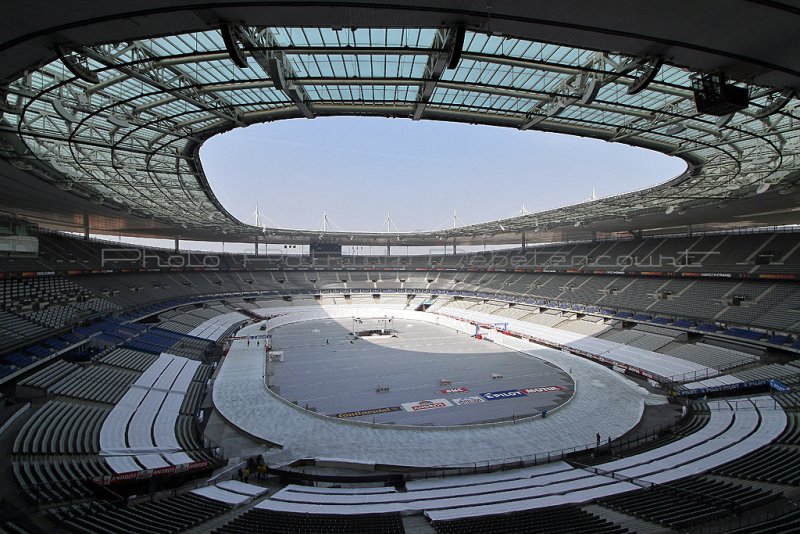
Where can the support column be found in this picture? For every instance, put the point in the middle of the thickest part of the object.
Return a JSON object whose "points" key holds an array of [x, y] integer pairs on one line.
{"points": [[85, 226], [688, 230], [255, 241], [177, 244], [454, 246], [388, 249], [524, 244]]}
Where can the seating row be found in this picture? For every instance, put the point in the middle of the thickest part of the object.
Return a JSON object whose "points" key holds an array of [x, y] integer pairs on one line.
{"points": [[732, 431]]}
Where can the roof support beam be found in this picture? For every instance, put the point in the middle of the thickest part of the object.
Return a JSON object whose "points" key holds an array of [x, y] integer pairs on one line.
{"points": [[585, 83], [277, 67], [177, 92], [445, 55], [75, 64]]}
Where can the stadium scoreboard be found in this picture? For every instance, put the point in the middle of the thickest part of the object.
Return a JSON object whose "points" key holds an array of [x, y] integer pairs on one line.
{"points": [[326, 249]]}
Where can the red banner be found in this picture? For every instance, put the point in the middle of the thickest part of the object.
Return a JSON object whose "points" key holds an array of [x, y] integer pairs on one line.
{"points": [[149, 473], [454, 390]]}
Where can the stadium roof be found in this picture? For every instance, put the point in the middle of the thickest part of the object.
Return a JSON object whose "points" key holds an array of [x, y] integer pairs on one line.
{"points": [[105, 106]]}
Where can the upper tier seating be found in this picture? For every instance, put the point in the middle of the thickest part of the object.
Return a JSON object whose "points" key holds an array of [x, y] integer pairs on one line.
{"points": [[63, 443], [142, 431]]}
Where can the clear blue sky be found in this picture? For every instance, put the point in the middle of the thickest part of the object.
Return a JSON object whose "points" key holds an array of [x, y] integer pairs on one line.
{"points": [[358, 169]]}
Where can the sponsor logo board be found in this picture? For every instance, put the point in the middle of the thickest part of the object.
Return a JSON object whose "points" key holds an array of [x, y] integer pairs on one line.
{"points": [[425, 405], [541, 389], [506, 394], [148, 473], [461, 401], [454, 390], [371, 411]]}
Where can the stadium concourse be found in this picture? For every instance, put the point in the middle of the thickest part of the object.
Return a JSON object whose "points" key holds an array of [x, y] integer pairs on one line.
{"points": [[624, 364]]}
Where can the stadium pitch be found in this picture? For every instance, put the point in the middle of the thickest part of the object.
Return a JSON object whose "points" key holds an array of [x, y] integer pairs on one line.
{"points": [[423, 374]]}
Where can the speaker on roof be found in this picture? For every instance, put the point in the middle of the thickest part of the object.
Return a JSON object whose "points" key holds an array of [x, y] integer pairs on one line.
{"points": [[713, 96], [231, 45], [647, 75], [458, 44], [590, 91]]}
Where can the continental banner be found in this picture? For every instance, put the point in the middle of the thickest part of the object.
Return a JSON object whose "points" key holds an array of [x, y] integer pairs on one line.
{"points": [[370, 411]]}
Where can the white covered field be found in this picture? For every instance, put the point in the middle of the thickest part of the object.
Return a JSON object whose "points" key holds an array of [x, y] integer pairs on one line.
{"points": [[324, 370]]}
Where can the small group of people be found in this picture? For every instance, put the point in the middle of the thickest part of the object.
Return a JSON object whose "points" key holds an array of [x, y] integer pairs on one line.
{"points": [[244, 474], [261, 472], [599, 438], [254, 466]]}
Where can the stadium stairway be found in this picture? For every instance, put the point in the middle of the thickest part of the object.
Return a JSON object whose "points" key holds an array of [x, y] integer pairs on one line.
{"points": [[633, 524], [224, 519], [417, 524]]}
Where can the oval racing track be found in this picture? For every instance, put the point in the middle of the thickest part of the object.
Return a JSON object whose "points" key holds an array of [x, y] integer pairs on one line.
{"points": [[241, 398]]}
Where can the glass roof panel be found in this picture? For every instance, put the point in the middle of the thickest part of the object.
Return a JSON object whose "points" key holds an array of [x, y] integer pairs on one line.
{"points": [[168, 91]]}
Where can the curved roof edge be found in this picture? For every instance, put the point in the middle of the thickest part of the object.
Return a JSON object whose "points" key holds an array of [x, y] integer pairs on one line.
{"points": [[743, 170]]}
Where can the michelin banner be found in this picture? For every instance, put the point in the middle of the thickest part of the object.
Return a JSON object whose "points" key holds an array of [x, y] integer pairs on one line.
{"points": [[461, 401]]}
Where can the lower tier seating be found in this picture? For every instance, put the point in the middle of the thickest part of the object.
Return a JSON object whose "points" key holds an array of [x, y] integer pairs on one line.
{"points": [[690, 501], [166, 516], [269, 522], [789, 522], [555, 520]]}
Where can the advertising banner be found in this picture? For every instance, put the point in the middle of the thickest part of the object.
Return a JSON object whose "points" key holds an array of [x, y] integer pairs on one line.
{"points": [[461, 401], [507, 394], [425, 405], [370, 411], [541, 389]]}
